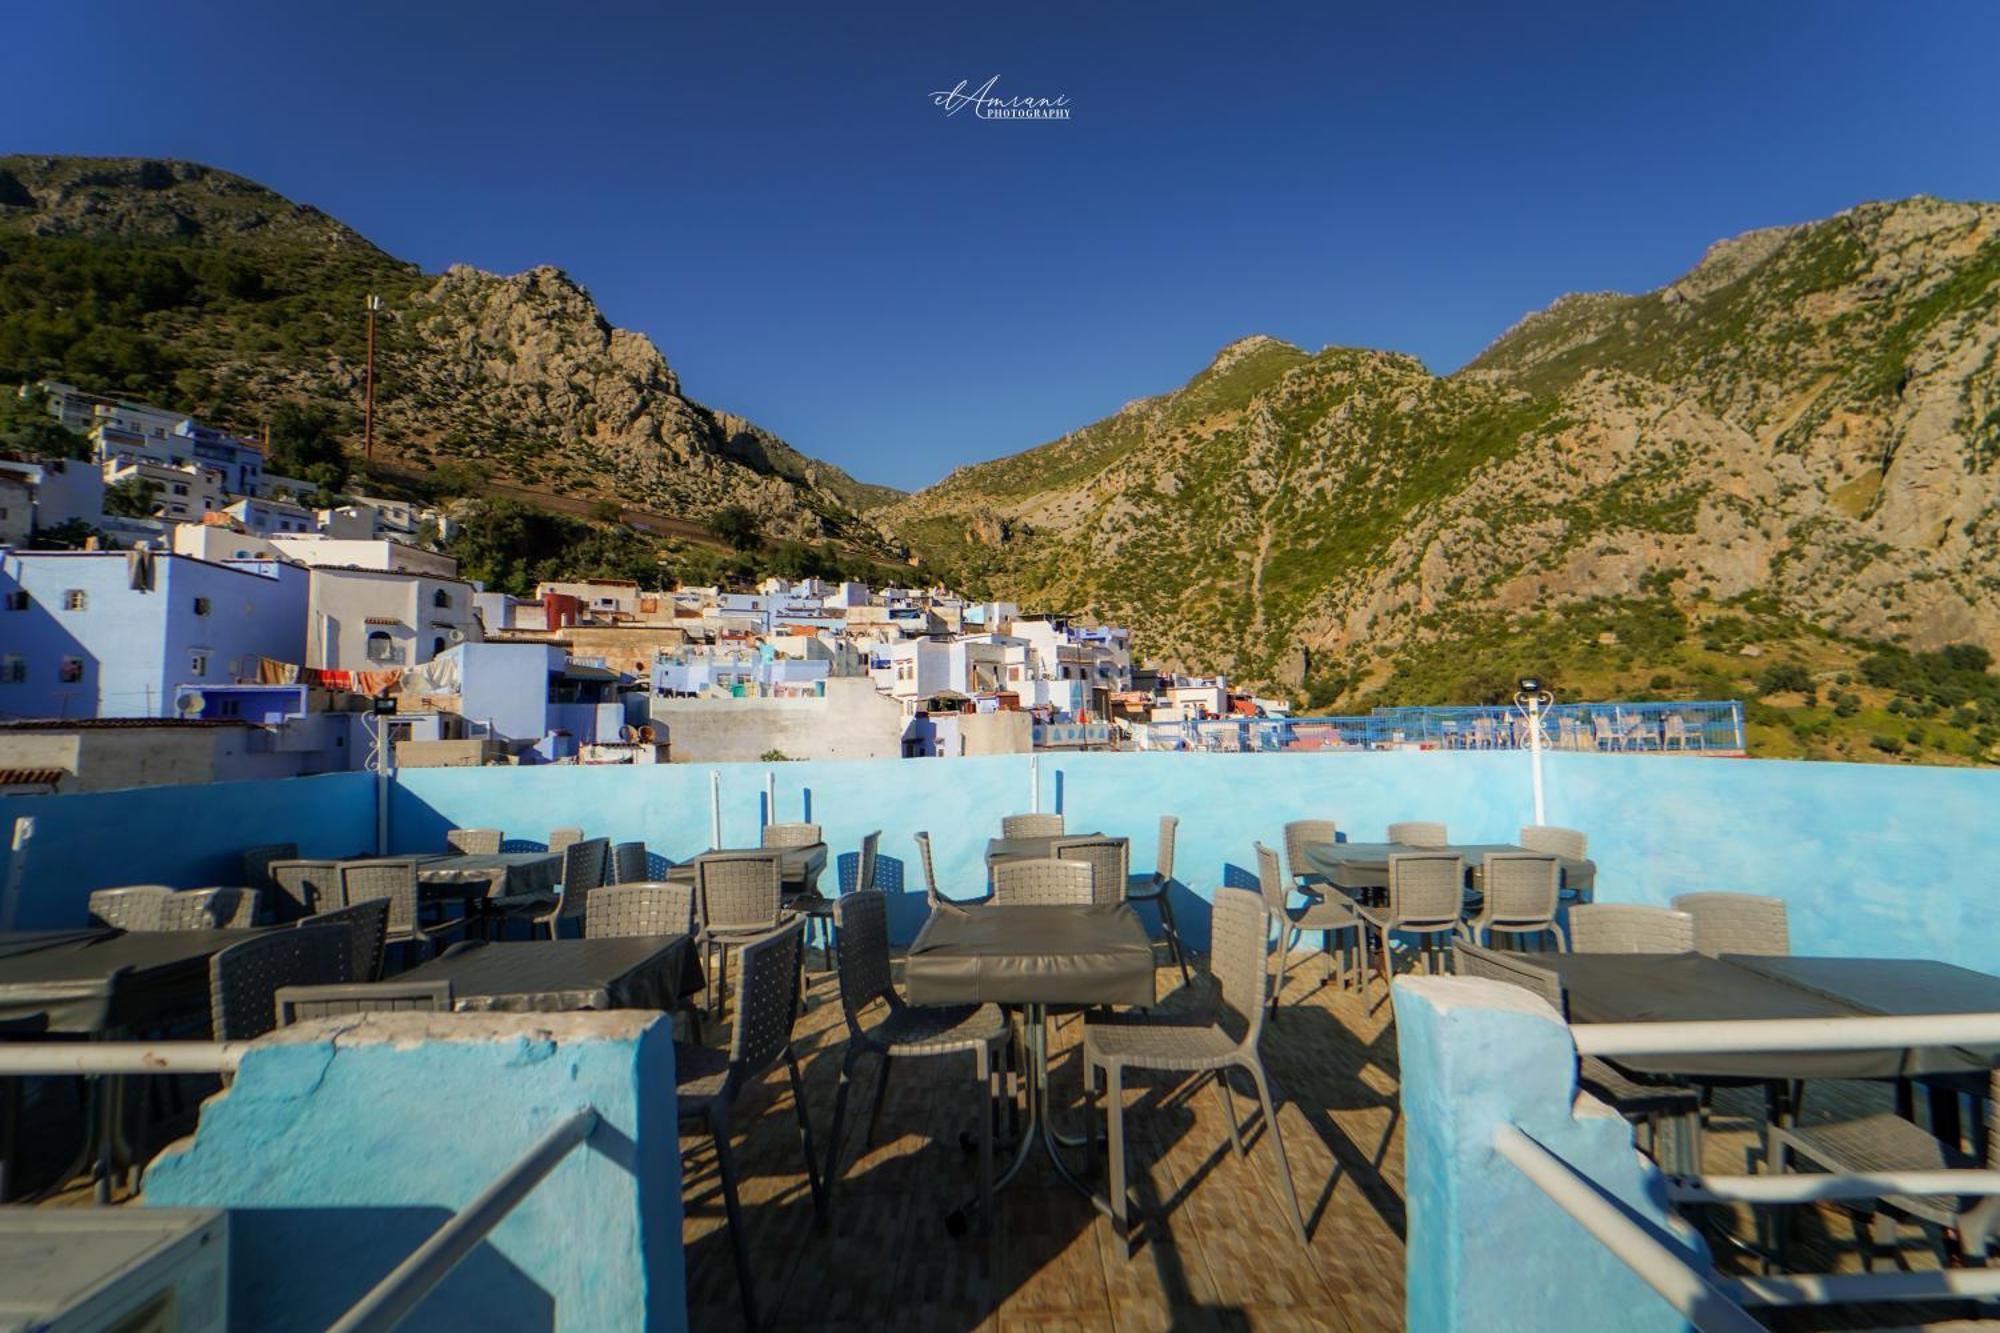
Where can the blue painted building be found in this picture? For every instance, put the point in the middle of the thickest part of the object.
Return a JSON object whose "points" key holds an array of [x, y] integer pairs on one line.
{"points": [[112, 633]]}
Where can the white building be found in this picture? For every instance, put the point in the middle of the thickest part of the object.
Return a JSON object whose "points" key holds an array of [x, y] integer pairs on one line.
{"points": [[371, 620], [270, 518], [219, 542], [181, 494], [374, 553]]}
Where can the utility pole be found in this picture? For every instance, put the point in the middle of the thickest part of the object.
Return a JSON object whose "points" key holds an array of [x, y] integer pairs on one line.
{"points": [[368, 384]]}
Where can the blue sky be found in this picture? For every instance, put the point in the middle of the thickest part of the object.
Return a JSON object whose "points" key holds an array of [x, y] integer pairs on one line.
{"points": [[769, 193]]}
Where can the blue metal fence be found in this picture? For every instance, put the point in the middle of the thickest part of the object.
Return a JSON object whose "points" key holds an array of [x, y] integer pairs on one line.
{"points": [[1709, 727]]}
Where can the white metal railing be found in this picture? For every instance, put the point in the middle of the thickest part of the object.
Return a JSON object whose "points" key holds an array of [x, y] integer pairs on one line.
{"points": [[1709, 1300], [58, 1059]]}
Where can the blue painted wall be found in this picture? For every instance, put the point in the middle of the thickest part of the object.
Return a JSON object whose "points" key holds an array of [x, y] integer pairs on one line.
{"points": [[334, 1169], [185, 836]]}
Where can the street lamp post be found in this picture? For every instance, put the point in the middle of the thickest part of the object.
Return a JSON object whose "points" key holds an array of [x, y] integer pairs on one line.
{"points": [[368, 384], [1531, 700]]}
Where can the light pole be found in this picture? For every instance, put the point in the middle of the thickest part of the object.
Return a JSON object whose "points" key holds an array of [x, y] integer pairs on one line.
{"points": [[1531, 700], [368, 384]]}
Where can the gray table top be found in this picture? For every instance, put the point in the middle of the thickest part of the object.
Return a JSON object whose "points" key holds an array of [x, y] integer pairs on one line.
{"points": [[101, 981], [1031, 955], [1366, 864], [541, 976], [795, 864], [1029, 849]]}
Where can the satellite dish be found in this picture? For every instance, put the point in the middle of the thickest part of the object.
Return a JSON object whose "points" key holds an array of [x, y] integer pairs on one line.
{"points": [[647, 734], [456, 636], [191, 702]]}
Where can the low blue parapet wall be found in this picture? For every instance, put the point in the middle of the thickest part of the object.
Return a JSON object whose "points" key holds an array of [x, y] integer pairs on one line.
{"points": [[343, 1144], [186, 835], [1487, 1251]]}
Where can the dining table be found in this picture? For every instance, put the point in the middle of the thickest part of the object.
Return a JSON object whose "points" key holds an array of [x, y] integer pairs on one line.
{"points": [[555, 976], [1034, 958], [799, 867], [1363, 867], [1001, 850]]}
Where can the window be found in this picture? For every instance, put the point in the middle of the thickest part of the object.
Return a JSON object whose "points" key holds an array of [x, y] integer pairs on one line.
{"points": [[437, 645], [71, 670], [201, 606], [198, 663], [382, 648], [440, 598], [74, 600], [13, 670], [180, 488], [19, 600]]}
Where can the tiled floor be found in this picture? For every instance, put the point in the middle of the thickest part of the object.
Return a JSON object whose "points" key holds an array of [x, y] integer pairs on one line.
{"points": [[1218, 1253]]}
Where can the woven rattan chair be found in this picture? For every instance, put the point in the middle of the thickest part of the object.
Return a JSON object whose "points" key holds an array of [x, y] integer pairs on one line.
{"points": [[1745, 923], [1884, 1143], [395, 879], [1299, 834], [244, 979], [299, 1004], [629, 863], [1520, 894], [1333, 915], [1031, 826], [737, 897], [1426, 894], [1226, 1039], [708, 1082], [474, 841], [134, 907], [582, 872], [257, 863], [646, 908], [1556, 841], [933, 898], [1156, 887], [308, 886], [1625, 928], [209, 909], [851, 871], [1042, 884], [905, 1031], [1110, 862], [562, 839], [1652, 1105], [1419, 833], [790, 835], [368, 924]]}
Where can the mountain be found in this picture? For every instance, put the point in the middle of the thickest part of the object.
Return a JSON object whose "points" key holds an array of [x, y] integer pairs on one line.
{"points": [[1786, 454], [182, 284]]}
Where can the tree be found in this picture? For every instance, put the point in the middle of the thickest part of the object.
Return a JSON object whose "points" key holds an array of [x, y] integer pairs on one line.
{"points": [[607, 511], [134, 497], [305, 443], [28, 431], [739, 527]]}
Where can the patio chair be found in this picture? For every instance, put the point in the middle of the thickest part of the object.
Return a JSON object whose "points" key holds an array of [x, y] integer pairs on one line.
{"points": [[1642, 1103], [1747, 923], [257, 863], [852, 871], [932, 897], [708, 1082], [1601, 735], [1330, 916], [789, 835], [1555, 840], [134, 907], [737, 898], [308, 886], [1031, 826], [861, 922], [562, 839], [368, 923], [1419, 833], [1426, 895], [628, 863], [1110, 862], [1626, 928], [1883, 1143], [243, 980], [1048, 883], [646, 908], [474, 841], [1157, 888], [1298, 834], [300, 1004], [1520, 892], [209, 909], [396, 880], [582, 872], [1213, 1045]]}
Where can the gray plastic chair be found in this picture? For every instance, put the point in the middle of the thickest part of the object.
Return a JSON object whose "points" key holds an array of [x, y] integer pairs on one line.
{"points": [[1110, 862], [1419, 833], [1298, 834], [654, 907], [1031, 826], [932, 897], [133, 907], [1649, 1104], [861, 922], [738, 897], [1556, 840], [257, 863], [582, 872], [629, 863], [209, 909], [1226, 1039], [1744, 923], [1626, 928], [369, 923], [708, 1082], [474, 841], [1520, 892], [1330, 916], [1043, 884], [790, 835], [1156, 887], [244, 979], [308, 886], [1426, 895], [562, 839], [299, 1004], [395, 878]]}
